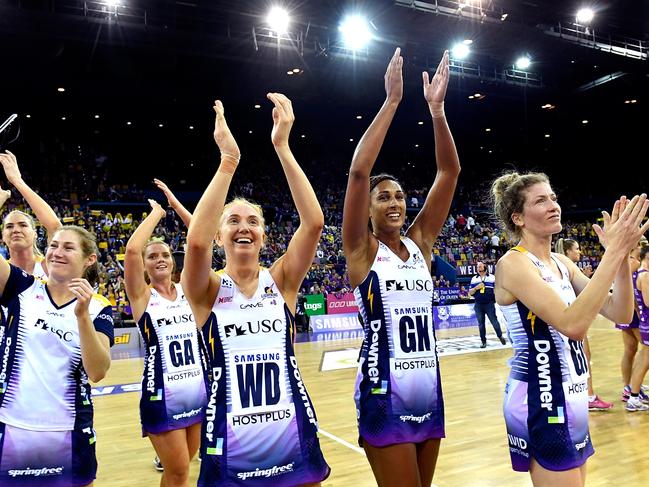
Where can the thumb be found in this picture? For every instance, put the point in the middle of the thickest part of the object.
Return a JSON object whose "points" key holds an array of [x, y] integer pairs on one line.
{"points": [[606, 217], [424, 76]]}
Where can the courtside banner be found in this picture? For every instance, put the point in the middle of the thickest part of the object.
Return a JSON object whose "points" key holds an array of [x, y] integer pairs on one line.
{"points": [[314, 305], [126, 339], [441, 294], [337, 322], [459, 316], [341, 303]]}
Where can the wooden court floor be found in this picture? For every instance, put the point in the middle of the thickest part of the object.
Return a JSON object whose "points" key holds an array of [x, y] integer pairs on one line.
{"points": [[475, 452]]}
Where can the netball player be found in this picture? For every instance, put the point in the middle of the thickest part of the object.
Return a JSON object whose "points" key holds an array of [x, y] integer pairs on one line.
{"points": [[56, 337], [19, 228], [398, 391], [549, 304], [570, 248], [173, 393], [260, 427], [635, 401]]}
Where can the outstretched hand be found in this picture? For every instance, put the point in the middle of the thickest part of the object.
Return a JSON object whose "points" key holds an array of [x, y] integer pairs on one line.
{"points": [[394, 78], [222, 135], [10, 166], [156, 208], [171, 198], [283, 119], [623, 226], [435, 90]]}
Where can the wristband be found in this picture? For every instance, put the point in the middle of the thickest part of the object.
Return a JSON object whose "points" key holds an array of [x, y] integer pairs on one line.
{"points": [[437, 109], [228, 164]]}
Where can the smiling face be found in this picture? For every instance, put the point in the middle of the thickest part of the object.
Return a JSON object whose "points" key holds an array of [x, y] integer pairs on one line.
{"points": [[387, 207], [18, 231], [65, 257], [541, 214], [242, 230], [158, 261]]}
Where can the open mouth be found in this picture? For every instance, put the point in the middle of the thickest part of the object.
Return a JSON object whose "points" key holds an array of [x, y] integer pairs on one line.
{"points": [[243, 240], [161, 267], [394, 215]]}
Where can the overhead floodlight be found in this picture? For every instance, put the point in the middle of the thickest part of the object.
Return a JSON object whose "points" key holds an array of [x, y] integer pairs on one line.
{"points": [[523, 62], [112, 3], [585, 15], [460, 50], [278, 19], [356, 33]]}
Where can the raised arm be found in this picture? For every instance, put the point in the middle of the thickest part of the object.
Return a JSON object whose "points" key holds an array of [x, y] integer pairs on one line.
{"points": [[136, 287], [290, 269], [518, 277], [431, 218], [200, 284], [4, 265], [44, 212], [176, 205], [356, 235]]}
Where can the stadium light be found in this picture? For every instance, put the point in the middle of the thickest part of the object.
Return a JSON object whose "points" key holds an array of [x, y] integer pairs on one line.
{"points": [[523, 62], [112, 3], [585, 15], [355, 31], [461, 50], [278, 19]]}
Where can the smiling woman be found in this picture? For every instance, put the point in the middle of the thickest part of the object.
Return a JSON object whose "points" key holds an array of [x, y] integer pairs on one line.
{"points": [[173, 393], [57, 336], [19, 228], [243, 426]]}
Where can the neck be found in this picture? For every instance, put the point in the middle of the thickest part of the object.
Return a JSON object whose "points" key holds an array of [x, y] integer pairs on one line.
{"points": [[59, 290], [164, 287], [24, 258], [242, 272], [391, 239], [540, 246]]}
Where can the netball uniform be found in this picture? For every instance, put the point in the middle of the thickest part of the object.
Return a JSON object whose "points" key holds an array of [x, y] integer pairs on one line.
{"points": [[398, 389], [635, 322], [173, 386], [260, 427], [643, 311], [39, 268], [546, 397], [46, 414]]}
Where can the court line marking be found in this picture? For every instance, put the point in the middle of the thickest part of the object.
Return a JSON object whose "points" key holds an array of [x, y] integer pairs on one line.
{"points": [[342, 442]]}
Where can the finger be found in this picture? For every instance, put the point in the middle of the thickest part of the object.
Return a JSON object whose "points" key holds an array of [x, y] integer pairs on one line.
{"points": [[606, 217], [642, 212], [424, 76], [278, 103], [630, 206], [640, 204], [645, 228], [598, 231], [616, 210]]}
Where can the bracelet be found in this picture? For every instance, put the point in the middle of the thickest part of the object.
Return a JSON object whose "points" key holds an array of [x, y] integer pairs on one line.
{"points": [[437, 109]]}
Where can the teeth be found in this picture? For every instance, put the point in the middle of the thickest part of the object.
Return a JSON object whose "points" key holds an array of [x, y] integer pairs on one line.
{"points": [[243, 240]]}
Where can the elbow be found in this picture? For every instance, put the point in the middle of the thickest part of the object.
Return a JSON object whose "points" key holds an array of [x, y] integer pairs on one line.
{"points": [[98, 375], [316, 225], [196, 245], [132, 250]]}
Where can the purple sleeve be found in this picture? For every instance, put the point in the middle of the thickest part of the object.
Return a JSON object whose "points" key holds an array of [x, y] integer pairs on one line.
{"points": [[17, 282], [104, 323]]}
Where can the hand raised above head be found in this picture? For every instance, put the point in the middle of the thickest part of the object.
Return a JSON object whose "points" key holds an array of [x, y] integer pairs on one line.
{"points": [[393, 77], [222, 134], [435, 90], [10, 166], [283, 118]]}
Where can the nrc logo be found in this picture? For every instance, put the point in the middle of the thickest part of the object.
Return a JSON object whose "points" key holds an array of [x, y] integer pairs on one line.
{"points": [[225, 299]]}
